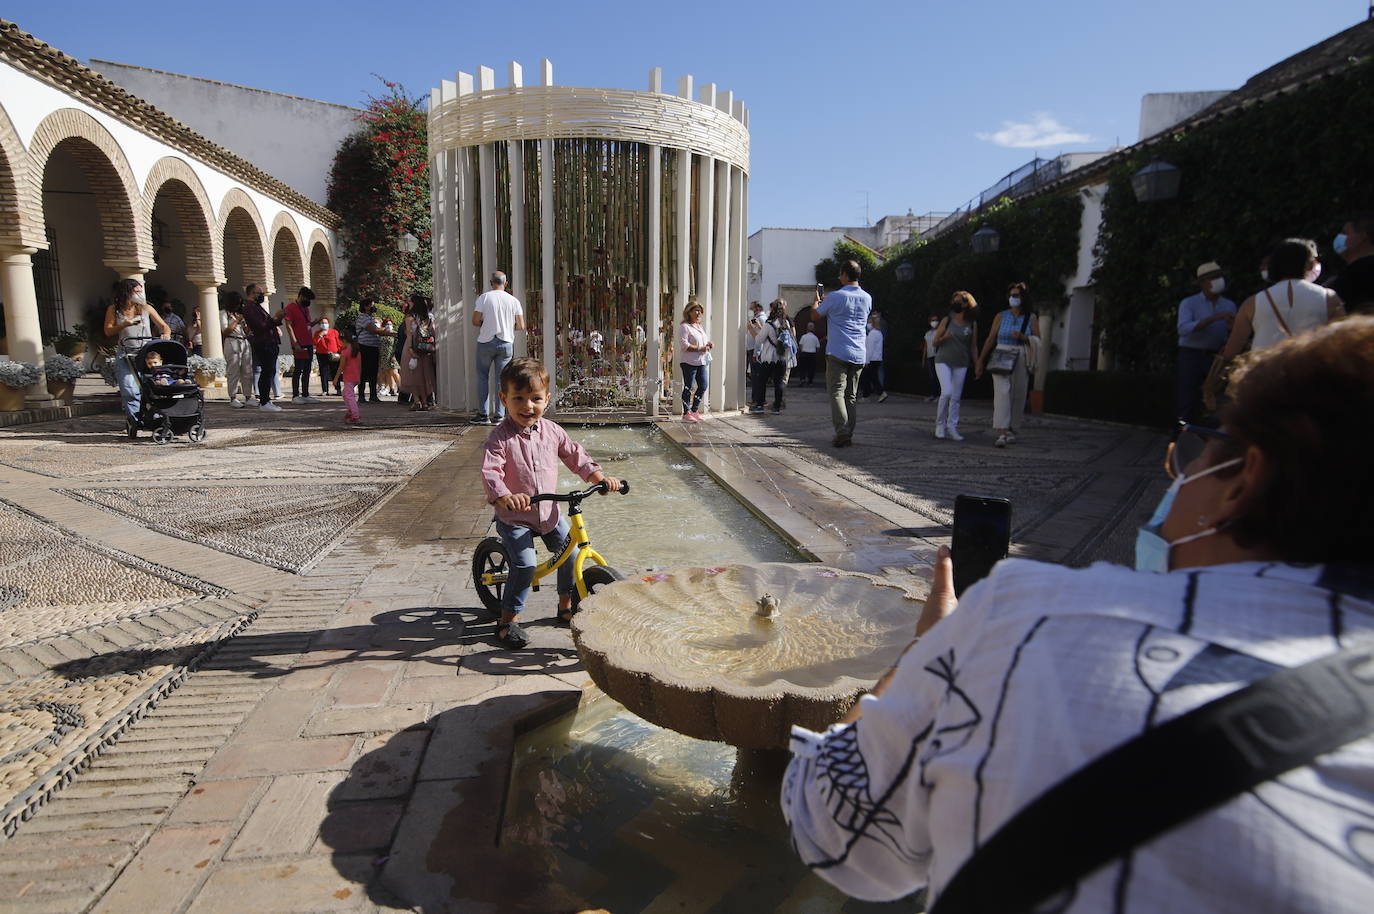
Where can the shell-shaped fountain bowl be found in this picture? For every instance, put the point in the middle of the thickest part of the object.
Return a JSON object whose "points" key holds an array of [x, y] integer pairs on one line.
{"points": [[689, 648]]}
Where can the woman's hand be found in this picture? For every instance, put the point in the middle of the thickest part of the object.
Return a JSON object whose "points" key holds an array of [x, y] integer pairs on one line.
{"points": [[978, 369], [515, 501], [941, 601], [709, 345], [1020, 337]]}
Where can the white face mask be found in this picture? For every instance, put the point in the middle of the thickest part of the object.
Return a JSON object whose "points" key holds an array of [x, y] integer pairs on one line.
{"points": [[139, 299], [934, 324], [324, 326], [1264, 275], [1217, 285], [1014, 301]]}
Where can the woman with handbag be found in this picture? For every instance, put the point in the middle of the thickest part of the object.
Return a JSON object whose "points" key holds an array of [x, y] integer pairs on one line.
{"points": [[1013, 341], [417, 355]]}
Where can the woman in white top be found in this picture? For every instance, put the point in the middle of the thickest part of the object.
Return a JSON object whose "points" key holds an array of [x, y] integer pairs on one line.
{"points": [[1293, 303], [694, 349]]}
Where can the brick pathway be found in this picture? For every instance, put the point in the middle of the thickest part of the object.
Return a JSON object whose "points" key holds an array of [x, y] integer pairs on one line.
{"points": [[348, 749]]}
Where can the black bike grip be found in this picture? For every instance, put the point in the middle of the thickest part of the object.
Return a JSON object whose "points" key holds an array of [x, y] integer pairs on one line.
{"points": [[624, 487]]}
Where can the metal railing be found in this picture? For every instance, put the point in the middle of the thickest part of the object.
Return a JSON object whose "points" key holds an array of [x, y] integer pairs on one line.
{"points": [[1017, 183]]}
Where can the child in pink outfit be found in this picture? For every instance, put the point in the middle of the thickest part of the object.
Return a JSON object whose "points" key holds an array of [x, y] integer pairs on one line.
{"points": [[351, 371]]}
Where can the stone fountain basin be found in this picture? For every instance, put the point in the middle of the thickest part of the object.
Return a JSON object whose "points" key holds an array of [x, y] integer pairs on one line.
{"points": [[686, 648]]}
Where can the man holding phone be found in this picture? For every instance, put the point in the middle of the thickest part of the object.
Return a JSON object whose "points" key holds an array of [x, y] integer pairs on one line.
{"points": [[846, 310]]}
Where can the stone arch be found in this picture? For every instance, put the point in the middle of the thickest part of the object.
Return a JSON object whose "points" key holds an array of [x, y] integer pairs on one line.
{"points": [[21, 210], [238, 211], [322, 273], [288, 255], [175, 177], [127, 249]]}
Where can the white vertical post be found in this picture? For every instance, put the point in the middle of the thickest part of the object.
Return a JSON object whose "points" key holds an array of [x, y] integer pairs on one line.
{"points": [[25, 335], [549, 306], [465, 199], [725, 332], [653, 371], [656, 80], [683, 237], [546, 243], [742, 252], [515, 75], [515, 154], [739, 246], [706, 198], [486, 155]]}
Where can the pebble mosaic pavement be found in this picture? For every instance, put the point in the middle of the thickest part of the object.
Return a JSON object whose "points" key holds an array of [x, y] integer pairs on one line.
{"points": [[92, 636]]}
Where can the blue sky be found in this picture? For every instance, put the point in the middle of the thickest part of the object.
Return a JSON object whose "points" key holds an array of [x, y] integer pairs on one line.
{"points": [[909, 104]]}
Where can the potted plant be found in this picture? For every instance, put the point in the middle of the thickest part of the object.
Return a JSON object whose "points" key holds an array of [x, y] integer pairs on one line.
{"points": [[62, 373], [207, 370], [70, 343], [15, 378]]}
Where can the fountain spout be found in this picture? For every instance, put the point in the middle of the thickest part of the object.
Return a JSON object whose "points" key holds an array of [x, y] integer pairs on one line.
{"points": [[768, 606]]}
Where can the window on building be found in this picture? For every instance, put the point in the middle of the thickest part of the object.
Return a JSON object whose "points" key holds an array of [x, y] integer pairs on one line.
{"points": [[47, 280]]}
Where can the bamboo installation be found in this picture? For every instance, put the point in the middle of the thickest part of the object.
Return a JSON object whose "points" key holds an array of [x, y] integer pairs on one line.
{"points": [[603, 207]]}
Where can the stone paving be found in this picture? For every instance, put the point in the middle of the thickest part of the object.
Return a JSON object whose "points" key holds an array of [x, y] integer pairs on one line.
{"points": [[334, 731]]}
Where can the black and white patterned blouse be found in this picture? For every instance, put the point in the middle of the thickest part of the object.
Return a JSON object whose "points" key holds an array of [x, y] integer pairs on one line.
{"points": [[1043, 669]]}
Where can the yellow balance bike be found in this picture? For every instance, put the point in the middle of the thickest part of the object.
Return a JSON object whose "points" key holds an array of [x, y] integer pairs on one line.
{"points": [[491, 562]]}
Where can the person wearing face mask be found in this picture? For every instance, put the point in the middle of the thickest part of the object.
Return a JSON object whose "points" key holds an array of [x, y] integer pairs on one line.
{"points": [[1264, 562], [1291, 304], [328, 347], [1355, 245], [129, 319], [956, 348], [265, 339], [1204, 322], [928, 360], [1016, 332]]}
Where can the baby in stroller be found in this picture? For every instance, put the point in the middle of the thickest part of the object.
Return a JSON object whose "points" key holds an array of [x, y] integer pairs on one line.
{"points": [[171, 402]]}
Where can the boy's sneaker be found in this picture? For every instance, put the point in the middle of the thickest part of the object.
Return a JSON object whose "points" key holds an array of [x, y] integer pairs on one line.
{"points": [[882, 396], [270, 407], [515, 637]]}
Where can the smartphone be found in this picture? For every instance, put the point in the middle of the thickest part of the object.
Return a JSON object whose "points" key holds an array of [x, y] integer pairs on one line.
{"points": [[820, 290], [982, 537]]}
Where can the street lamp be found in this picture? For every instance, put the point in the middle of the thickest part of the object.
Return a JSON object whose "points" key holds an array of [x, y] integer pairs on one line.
{"points": [[905, 271], [1157, 181], [407, 244], [987, 240]]}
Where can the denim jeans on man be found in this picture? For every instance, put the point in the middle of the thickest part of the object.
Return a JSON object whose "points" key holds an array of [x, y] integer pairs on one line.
{"points": [[519, 543], [492, 358], [127, 381]]}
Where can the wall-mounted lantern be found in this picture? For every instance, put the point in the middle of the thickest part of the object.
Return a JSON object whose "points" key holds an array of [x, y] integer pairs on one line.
{"points": [[1157, 181], [407, 244], [905, 272], [987, 240]]}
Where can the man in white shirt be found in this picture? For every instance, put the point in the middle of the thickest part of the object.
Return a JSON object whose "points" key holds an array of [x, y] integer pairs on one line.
{"points": [[871, 381], [498, 315], [809, 344]]}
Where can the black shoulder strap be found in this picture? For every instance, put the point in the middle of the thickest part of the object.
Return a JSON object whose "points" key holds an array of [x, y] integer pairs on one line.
{"points": [[1163, 778]]}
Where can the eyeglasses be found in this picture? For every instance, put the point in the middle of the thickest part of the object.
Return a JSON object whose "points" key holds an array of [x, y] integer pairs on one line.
{"points": [[1188, 446]]}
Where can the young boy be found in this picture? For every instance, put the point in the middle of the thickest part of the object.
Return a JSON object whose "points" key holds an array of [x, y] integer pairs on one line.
{"points": [[519, 461], [161, 375]]}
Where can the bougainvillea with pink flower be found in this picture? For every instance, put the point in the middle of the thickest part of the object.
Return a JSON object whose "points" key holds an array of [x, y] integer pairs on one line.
{"points": [[379, 185]]}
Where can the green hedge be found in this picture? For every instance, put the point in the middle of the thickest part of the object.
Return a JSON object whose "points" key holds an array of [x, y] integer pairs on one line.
{"points": [[1292, 166], [1117, 396], [1039, 246]]}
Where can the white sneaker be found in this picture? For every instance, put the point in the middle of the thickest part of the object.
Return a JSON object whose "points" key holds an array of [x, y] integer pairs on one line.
{"points": [[237, 404], [1011, 437], [882, 396], [309, 400], [1001, 441], [939, 431], [954, 434], [270, 407], [298, 399]]}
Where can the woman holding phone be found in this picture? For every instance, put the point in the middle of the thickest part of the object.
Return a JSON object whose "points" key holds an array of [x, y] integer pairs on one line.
{"points": [[1259, 559]]}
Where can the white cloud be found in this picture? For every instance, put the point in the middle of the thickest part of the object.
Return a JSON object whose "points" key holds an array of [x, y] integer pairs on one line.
{"points": [[1041, 131]]}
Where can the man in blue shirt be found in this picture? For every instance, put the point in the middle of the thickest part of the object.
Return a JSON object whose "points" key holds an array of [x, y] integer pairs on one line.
{"points": [[846, 309], [1204, 323]]}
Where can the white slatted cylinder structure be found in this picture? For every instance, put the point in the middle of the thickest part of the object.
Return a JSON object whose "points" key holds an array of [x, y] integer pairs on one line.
{"points": [[608, 209]]}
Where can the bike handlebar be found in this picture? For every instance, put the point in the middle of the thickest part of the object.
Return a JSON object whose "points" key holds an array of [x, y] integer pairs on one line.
{"points": [[570, 497]]}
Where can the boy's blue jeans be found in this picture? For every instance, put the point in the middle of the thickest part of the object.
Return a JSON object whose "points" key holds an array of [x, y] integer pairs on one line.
{"points": [[519, 543]]}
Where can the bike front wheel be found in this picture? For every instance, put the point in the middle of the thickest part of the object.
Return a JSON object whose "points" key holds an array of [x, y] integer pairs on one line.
{"points": [[490, 561], [596, 577]]}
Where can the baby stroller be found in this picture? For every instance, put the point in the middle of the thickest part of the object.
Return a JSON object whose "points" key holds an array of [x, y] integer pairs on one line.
{"points": [[170, 402]]}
